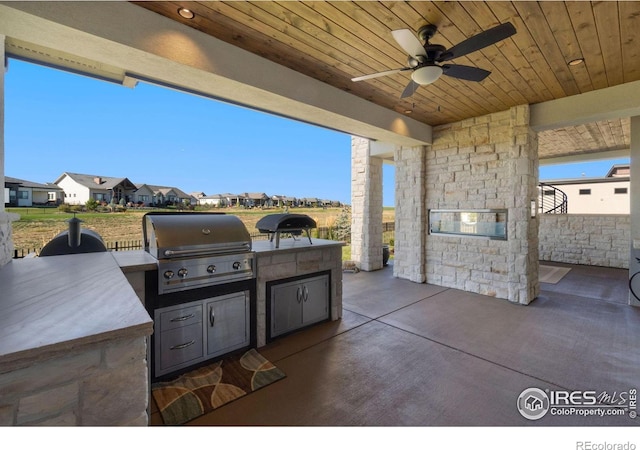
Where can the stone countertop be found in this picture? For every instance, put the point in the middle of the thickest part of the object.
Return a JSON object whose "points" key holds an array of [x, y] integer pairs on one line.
{"points": [[52, 304], [135, 261], [267, 247]]}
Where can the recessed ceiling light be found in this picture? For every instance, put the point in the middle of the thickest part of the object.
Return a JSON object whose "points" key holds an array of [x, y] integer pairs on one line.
{"points": [[576, 62], [408, 111], [186, 13]]}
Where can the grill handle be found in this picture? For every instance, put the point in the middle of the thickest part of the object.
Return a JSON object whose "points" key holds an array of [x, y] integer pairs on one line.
{"points": [[207, 251]]}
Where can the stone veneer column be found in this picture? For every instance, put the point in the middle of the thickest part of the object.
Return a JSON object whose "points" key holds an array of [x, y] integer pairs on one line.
{"points": [[366, 206], [523, 260], [6, 243], [411, 215]]}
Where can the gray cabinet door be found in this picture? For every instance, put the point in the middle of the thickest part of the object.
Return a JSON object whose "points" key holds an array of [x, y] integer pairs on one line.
{"points": [[227, 322], [299, 303], [315, 304], [286, 312]]}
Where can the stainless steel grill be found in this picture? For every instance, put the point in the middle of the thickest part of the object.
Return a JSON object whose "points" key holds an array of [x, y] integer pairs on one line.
{"points": [[202, 297], [198, 249]]}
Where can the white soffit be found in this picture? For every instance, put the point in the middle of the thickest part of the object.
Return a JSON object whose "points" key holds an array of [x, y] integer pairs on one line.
{"points": [[139, 42], [615, 102]]}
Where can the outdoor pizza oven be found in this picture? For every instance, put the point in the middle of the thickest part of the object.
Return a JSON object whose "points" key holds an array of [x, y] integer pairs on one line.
{"points": [[293, 224]]}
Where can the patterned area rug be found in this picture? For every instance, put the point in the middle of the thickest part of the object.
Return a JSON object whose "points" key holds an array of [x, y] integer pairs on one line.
{"points": [[203, 390]]}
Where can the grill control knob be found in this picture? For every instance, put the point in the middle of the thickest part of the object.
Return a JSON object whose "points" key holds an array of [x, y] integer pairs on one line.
{"points": [[211, 269], [236, 265], [169, 274], [182, 273]]}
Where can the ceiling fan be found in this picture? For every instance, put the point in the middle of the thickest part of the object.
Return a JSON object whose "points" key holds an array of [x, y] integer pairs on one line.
{"points": [[424, 59]]}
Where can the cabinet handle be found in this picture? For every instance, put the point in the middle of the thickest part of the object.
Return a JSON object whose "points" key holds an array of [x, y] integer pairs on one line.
{"points": [[305, 293], [299, 294], [183, 318], [212, 316], [181, 346]]}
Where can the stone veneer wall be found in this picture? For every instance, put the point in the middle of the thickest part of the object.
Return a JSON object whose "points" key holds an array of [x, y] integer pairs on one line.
{"points": [[95, 386], [589, 239], [6, 241], [293, 263], [486, 162], [366, 206], [411, 220]]}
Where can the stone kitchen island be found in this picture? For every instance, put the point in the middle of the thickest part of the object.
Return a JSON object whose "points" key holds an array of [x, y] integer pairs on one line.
{"points": [[73, 347], [296, 259]]}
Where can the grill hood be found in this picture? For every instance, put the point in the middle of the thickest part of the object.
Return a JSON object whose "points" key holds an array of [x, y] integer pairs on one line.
{"points": [[188, 234]]}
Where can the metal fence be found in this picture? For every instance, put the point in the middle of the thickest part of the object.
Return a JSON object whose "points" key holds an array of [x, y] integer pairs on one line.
{"points": [[388, 235]]}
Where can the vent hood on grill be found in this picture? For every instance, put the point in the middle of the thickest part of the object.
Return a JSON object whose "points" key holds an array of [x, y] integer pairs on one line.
{"points": [[168, 235]]}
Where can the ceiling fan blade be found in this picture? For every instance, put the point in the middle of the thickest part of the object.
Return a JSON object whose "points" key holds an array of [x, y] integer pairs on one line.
{"points": [[410, 89], [465, 72], [409, 42], [379, 74], [479, 41]]}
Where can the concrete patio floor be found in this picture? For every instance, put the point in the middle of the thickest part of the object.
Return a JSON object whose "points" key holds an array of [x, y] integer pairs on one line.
{"points": [[407, 354]]}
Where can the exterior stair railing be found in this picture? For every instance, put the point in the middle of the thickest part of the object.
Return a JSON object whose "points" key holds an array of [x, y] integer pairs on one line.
{"points": [[551, 200]]}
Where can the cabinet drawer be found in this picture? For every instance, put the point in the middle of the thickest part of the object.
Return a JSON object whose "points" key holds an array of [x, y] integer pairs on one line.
{"points": [[179, 317], [179, 346]]}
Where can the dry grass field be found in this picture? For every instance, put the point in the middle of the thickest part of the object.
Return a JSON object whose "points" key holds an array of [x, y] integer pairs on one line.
{"points": [[37, 226]]}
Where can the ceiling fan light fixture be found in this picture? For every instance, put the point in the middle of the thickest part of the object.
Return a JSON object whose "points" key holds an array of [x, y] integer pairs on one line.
{"points": [[427, 74], [186, 13]]}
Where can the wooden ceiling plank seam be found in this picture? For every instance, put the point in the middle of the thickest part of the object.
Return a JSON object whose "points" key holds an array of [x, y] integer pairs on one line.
{"points": [[343, 76], [629, 18], [606, 130], [518, 88], [420, 95], [536, 23], [531, 53], [560, 23], [293, 36], [606, 19], [468, 104], [595, 137], [585, 26], [480, 92], [392, 83], [376, 9]]}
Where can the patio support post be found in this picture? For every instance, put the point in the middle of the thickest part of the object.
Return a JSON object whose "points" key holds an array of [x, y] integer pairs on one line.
{"points": [[6, 241], [634, 265], [366, 206], [522, 230], [411, 214]]}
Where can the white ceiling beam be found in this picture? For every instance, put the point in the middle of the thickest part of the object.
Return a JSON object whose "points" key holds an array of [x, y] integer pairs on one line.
{"points": [[140, 42], [615, 102]]}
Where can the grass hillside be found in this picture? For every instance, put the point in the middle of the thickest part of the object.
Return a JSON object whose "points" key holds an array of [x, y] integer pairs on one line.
{"points": [[37, 226]]}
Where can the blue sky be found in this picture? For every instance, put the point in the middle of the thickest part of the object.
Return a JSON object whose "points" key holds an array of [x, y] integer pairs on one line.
{"points": [[60, 122]]}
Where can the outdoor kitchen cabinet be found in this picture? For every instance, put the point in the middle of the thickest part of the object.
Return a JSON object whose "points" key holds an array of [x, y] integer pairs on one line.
{"points": [[227, 324], [197, 331], [297, 304]]}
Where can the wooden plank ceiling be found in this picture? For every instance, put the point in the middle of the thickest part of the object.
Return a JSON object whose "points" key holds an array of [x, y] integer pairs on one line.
{"points": [[335, 41]]}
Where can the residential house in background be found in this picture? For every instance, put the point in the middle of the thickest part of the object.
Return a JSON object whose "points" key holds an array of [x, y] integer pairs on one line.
{"points": [[215, 200], [601, 195], [78, 188], [165, 195], [256, 200], [28, 193]]}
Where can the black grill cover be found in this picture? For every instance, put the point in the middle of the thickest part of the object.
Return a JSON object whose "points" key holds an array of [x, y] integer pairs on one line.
{"points": [[285, 222]]}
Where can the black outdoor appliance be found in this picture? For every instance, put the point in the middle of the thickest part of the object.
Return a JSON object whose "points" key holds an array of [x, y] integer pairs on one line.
{"points": [[293, 224]]}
